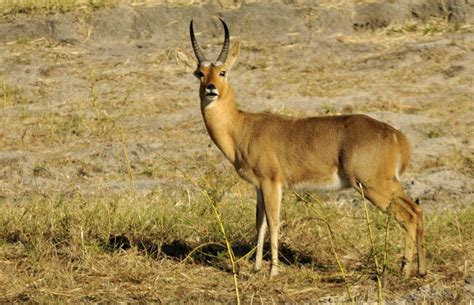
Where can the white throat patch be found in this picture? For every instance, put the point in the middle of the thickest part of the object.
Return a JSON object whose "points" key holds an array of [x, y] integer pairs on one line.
{"points": [[210, 104]]}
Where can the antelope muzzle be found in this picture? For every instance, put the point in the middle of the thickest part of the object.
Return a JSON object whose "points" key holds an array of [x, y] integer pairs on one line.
{"points": [[211, 92]]}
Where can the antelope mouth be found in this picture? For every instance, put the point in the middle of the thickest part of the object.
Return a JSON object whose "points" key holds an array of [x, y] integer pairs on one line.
{"points": [[212, 95]]}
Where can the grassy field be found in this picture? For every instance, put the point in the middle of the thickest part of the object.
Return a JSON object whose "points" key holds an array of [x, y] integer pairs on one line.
{"points": [[57, 247], [111, 190]]}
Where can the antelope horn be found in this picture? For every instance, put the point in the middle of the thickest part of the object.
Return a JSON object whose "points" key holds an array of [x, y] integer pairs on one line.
{"points": [[197, 50], [225, 49]]}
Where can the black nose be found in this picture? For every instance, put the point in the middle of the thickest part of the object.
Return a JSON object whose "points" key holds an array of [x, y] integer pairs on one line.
{"points": [[211, 87]]}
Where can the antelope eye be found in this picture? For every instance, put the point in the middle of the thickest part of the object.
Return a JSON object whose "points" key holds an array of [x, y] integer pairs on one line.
{"points": [[223, 73], [199, 74]]}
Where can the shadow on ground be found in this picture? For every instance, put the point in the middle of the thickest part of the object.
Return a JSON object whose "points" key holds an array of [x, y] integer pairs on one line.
{"points": [[209, 254]]}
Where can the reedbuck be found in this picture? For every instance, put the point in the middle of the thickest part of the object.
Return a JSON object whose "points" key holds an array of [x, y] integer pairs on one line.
{"points": [[326, 152]]}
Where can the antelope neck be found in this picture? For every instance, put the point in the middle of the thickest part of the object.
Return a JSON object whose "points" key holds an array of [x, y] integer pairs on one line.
{"points": [[221, 121]]}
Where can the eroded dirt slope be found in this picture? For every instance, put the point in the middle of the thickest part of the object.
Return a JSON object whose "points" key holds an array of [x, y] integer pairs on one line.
{"points": [[78, 86]]}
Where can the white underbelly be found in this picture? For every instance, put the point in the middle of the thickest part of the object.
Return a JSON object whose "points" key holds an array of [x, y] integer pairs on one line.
{"points": [[334, 183]]}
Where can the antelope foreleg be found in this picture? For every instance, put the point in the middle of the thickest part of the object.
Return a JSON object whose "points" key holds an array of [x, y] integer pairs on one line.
{"points": [[261, 226], [272, 201]]}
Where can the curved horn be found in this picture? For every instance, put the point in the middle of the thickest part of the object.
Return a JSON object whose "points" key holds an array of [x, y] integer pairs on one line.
{"points": [[225, 49], [197, 50]]}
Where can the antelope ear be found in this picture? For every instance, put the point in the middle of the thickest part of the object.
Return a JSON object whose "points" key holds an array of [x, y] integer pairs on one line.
{"points": [[233, 55]]}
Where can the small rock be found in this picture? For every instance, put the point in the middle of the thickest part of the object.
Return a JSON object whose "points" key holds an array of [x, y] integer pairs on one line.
{"points": [[453, 71]]}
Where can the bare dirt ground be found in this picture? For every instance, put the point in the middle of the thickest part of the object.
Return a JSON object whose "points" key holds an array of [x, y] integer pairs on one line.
{"points": [[92, 101]]}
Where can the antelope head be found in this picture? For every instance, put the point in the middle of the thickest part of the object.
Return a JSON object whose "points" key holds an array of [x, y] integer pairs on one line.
{"points": [[213, 75]]}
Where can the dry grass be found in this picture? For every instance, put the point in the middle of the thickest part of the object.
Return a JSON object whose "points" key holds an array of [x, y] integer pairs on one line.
{"points": [[58, 247], [12, 7]]}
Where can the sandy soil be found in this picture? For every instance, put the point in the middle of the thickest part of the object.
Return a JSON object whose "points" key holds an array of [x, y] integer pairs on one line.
{"points": [[128, 69], [81, 88]]}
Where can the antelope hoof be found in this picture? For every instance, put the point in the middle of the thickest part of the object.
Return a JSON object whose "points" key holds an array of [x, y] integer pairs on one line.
{"points": [[273, 271], [421, 273], [256, 268], [406, 269], [421, 270]]}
